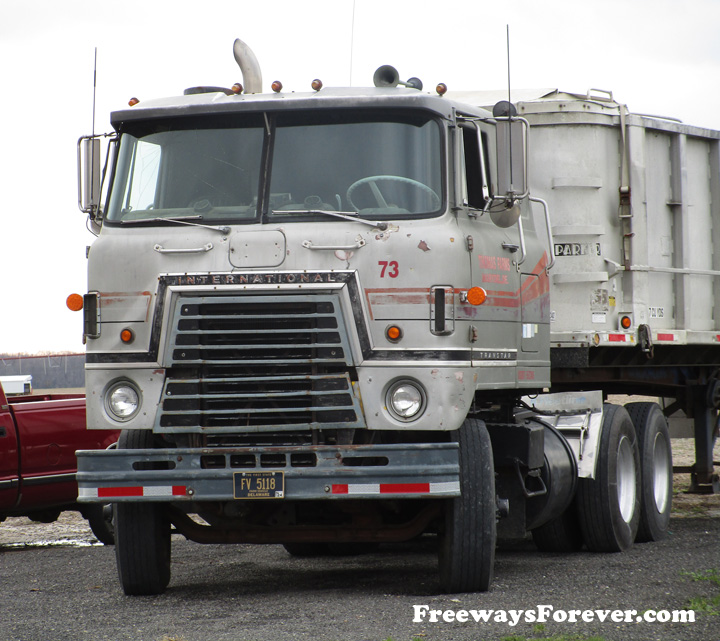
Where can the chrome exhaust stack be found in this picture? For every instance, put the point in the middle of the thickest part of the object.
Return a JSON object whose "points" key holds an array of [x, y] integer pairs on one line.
{"points": [[249, 66]]}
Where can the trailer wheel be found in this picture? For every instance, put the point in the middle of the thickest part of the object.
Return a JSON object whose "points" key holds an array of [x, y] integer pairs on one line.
{"points": [[561, 534], [656, 470], [609, 505], [467, 546], [142, 535]]}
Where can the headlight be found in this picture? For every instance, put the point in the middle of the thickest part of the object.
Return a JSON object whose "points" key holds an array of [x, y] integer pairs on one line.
{"points": [[405, 400], [122, 400]]}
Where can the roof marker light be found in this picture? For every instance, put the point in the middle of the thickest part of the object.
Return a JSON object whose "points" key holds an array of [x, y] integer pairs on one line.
{"points": [[236, 88], [441, 89], [133, 101], [317, 84], [276, 86]]}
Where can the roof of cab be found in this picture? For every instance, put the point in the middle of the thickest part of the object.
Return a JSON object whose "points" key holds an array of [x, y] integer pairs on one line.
{"points": [[326, 98]]}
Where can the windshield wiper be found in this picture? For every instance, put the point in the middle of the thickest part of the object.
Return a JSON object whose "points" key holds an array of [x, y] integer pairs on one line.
{"points": [[180, 220], [345, 215]]}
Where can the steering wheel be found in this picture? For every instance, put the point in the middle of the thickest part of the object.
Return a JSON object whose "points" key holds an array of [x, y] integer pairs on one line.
{"points": [[372, 181]]}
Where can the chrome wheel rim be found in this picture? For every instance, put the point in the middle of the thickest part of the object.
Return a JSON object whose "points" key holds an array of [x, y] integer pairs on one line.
{"points": [[626, 488], [661, 472]]}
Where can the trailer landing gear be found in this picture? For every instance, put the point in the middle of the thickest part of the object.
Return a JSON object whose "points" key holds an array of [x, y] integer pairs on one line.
{"points": [[703, 480]]}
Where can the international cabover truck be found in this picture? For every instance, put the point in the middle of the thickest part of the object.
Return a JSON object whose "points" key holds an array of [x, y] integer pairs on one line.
{"points": [[39, 434], [328, 319]]}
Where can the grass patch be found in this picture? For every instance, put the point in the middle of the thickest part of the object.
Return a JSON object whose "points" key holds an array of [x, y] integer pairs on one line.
{"points": [[706, 604]]}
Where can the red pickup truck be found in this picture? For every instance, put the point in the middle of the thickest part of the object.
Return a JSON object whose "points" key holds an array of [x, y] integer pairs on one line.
{"points": [[39, 435]]}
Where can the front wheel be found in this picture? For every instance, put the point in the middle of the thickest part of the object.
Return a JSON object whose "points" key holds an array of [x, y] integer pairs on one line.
{"points": [[142, 535], [609, 505], [467, 545]]}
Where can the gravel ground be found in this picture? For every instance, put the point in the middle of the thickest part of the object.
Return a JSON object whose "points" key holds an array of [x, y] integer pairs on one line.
{"points": [[59, 584]]}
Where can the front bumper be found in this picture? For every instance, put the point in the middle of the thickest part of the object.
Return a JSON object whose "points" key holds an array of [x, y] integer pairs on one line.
{"points": [[334, 472]]}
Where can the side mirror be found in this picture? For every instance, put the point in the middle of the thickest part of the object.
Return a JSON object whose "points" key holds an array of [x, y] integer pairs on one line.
{"points": [[511, 133], [89, 174]]}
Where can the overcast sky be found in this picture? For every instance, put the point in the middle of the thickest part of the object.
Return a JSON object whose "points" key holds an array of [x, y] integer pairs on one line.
{"points": [[657, 56]]}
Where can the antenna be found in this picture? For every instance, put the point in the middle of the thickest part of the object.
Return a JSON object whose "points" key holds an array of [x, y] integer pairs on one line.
{"points": [[352, 42], [92, 143], [512, 183], [94, 91], [508, 60]]}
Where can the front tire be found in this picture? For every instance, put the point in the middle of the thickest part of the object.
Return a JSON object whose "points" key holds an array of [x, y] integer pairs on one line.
{"points": [[142, 536], [656, 470], [467, 546], [609, 505]]}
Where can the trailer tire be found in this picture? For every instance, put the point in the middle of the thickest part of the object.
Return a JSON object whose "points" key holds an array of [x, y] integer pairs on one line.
{"points": [[609, 505], [466, 555], [656, 470], [561, 534], [142, 536]]}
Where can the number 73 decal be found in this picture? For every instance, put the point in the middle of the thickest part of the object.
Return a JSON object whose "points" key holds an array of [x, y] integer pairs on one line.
{"points": [[389, 268]]}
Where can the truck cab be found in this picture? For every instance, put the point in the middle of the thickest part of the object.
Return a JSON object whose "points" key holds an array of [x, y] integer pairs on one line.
{"points": [[314, 317]]}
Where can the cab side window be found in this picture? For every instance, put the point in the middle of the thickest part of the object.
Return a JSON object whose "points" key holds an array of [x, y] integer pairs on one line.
{"points": [[475, 166]]}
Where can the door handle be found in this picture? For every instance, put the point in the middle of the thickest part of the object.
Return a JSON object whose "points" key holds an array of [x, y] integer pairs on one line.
{"points": [[360, 242], [193, 250]]}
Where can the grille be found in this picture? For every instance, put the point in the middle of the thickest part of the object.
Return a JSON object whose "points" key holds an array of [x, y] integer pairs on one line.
{"points": [[256, 363]]}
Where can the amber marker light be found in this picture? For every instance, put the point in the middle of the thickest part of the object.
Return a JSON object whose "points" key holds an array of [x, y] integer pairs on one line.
{"points": [[276, 86], [74, 302], [127, 336], [393, 333], [133, 101], [317, 84], [237, 88], [626, 322], [441, 89], [476, 295]]}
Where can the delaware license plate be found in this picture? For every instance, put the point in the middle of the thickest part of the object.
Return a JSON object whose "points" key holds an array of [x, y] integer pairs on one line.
{"points": [[259, 485]]}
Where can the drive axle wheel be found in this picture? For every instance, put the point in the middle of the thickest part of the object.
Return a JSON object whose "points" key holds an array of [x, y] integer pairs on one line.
{"points": [[142, 535], [609, 505], [656, 470], [467, 546]]}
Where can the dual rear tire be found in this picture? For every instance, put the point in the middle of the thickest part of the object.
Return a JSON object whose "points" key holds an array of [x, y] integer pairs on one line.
{"points": [[630, 498]]}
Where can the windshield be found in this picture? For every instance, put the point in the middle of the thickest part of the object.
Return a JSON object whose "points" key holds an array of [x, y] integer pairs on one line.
{"points": [[383, 168]]}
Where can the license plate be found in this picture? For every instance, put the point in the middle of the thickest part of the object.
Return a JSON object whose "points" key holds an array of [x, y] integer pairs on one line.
{"points": [[259, 485]]}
